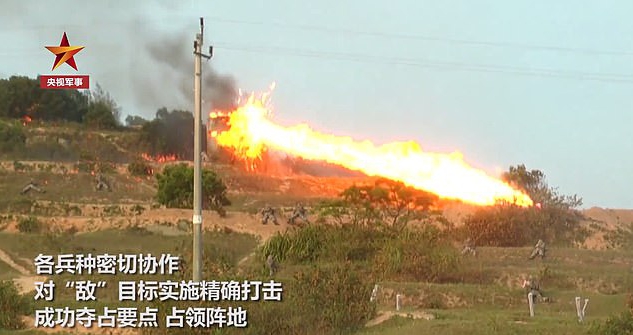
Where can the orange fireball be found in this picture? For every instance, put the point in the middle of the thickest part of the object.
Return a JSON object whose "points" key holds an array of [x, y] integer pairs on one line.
{"points": [[250, 131]]}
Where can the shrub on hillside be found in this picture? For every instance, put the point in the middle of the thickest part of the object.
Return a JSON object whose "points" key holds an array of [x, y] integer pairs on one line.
{"points": [[417, 255], [412, 254], [12, 138], [12, 306], [29, 225], [17, 206], [85, 166], [621, 237], [621, 324], [102, 112], [19, 166], [555, 219], [333, 299], [48, 150], [175, 188], [386, 203], [321, 300], [105, 167], [140, 168]]}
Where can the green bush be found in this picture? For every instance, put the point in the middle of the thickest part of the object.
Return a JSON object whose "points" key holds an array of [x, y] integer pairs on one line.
{"points": [[12, 138], [615, 325], [85, 166], [29, 225], [417, 255], [46, 149], [17, 206], [411, 254], [101, 116], [335, 298], [105, 167], [621, 237], [137, 209], [555, 220], [12, 306], [320, 300], [175, 188], [512, 226], [19, 166]]}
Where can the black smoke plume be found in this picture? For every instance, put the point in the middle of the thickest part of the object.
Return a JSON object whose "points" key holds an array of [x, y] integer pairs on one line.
{"points": [[141, 52], [174, 55]]}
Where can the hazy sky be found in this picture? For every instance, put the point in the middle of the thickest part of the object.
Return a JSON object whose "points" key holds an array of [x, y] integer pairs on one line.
{"points": [[544, 83]]}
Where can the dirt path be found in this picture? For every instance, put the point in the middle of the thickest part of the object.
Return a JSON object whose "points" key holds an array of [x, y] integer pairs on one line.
{"points": [[25, 283], [386, 315], [17, 267]]}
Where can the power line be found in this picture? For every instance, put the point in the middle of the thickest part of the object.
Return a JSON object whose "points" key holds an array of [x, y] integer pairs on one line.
{"points": [[430, 38], [340, 30], [424, 63], [606, 77]]}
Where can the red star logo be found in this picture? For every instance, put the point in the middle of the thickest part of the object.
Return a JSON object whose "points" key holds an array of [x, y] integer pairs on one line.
{"points": [[64, 53]]}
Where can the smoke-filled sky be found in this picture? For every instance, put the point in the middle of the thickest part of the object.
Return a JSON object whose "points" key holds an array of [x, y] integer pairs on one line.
{"points": [[546, 84]]}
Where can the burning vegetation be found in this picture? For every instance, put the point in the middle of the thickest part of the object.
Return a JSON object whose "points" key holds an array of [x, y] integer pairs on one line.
{"points": [[159, 158], [26, 120], [250, 134]]}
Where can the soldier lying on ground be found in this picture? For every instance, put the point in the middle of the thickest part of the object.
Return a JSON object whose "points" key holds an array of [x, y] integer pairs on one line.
{"points": [[102, 183], [32, 185]]}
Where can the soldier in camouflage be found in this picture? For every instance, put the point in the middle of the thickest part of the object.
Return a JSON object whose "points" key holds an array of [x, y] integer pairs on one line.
{"points": [[298, 212], [102, 183], [32, 185], [216, 203], [531, 285], [271, 264], [469, 248], [268, 213], [539, 250]]}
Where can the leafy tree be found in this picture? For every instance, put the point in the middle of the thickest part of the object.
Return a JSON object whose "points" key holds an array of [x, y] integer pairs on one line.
{"points": [[20, 96], [100, 116], [12, 138], [554, 219], [534, 184], [170, 133], [70, 105], [103, 112], [175, 188], [386, 202], [135, 120]]}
